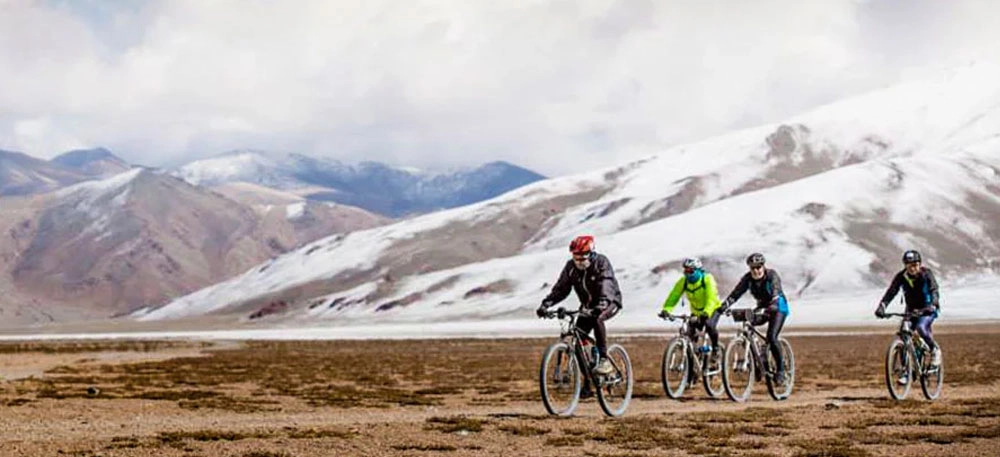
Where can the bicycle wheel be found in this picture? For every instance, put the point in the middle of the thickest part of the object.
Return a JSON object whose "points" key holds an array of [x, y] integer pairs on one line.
{"points": [[712, 376], [738, 369], [560, 380], [782, 391], [932, 379], [615, 390], [898, 370], [674, 370]]}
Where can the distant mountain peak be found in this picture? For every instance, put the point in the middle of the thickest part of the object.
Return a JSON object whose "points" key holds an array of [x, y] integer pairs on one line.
{"points": [[21, 174], [97, 162], [374, 186]]}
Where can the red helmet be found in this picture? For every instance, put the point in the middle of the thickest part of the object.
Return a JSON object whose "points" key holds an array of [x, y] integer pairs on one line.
{"points": [[582, 244]]}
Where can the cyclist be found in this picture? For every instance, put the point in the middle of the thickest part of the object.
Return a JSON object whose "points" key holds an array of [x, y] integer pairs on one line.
{"points": [[920, 291], [703, 296], [765, 286], [591, 276]]}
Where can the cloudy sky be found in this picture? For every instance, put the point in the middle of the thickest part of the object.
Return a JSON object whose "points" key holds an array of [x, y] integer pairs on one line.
{"points": [[560, 86]]}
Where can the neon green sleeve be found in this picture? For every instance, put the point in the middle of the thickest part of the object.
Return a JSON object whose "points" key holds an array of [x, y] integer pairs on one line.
{"points": [[675, 296], [713, 290]]}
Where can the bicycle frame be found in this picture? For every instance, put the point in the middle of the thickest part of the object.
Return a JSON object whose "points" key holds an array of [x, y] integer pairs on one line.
{"points": [[907, 335], [690, 344], [757, 341], [574, 336]]}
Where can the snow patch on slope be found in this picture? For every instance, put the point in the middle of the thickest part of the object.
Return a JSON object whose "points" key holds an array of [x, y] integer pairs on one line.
{"points": [[825, 195], [295, 210]]}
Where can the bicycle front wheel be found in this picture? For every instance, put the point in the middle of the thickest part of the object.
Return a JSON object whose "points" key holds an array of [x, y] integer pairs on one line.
{"points": [[738, 369], [932, 379], [615, 390], [674, 370], [782, 391], [898, 370], [560, 380]]}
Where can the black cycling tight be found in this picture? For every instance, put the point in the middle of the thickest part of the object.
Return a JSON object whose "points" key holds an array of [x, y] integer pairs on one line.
{"points": [[596, 323], [710, 324], [774, 324]]}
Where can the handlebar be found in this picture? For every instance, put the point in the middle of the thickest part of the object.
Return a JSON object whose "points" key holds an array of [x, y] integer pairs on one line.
{"points": [[676, 317], [903, 315], [560, 313]]}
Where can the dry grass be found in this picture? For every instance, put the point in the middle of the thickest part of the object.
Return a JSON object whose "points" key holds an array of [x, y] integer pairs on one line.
{"points": [[524, 430], [564, 441], [425, 447], [455, 424], [484, 400], [76, 347]]}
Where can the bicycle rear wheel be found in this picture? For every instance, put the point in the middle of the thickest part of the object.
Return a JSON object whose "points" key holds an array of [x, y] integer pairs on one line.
{"points": [[674, 369], [615, 390], [898, 369], [932, 379], [782, 391], [738, 369], [560, 380]]}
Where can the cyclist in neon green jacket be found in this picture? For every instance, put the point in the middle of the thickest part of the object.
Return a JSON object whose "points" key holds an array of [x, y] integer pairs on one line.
{"points": [[703, 297]]}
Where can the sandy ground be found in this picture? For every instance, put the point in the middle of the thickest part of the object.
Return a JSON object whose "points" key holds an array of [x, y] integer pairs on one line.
{"points": [[467, 397]]}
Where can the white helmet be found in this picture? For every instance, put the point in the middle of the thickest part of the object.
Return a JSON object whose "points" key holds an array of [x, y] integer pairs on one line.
{"points": [[693, 263]]}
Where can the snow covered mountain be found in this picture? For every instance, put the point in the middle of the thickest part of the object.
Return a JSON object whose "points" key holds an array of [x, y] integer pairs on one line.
{"points": [[257, 167], [370, 185], [21, 174], [101, 247], [831, 197]]}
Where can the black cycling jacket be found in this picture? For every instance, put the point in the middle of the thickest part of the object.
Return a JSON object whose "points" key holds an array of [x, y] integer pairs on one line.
{"points": [[766, 290], [919, 292], [596, 287]]}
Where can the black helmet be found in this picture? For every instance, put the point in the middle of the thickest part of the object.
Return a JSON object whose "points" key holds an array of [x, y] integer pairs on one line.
{"points": [[755, 260], [911, 256]]}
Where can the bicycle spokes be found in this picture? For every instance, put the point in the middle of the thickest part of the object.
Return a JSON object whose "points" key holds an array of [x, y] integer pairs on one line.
{"points": [[615, 389], [738, 369], [674, 370], [782, 390], [898, 369], [560, 380], [932, 380]]}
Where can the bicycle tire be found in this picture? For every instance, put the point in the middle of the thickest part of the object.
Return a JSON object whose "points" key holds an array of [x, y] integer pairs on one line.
{"points": [[622, 388], [549, 359]]}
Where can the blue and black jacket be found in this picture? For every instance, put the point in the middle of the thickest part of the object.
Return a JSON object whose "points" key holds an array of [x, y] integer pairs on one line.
{"points": [[766, 290], [919, 291]]}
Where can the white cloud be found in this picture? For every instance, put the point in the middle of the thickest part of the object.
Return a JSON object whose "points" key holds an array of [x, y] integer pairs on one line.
{"points": [[561, 86]]}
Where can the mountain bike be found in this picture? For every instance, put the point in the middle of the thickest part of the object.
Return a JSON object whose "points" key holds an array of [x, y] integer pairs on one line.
{"points": [[906, 359], [561, 378], [685, 360], [748, 359]]}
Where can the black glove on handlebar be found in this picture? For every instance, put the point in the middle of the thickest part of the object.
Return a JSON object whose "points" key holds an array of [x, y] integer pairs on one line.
{"points": [[725, 307], [542, 310]]}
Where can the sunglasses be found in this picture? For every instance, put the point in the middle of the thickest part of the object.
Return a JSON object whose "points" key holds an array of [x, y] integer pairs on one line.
{"points": [[688, 271], [757, 267]]}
